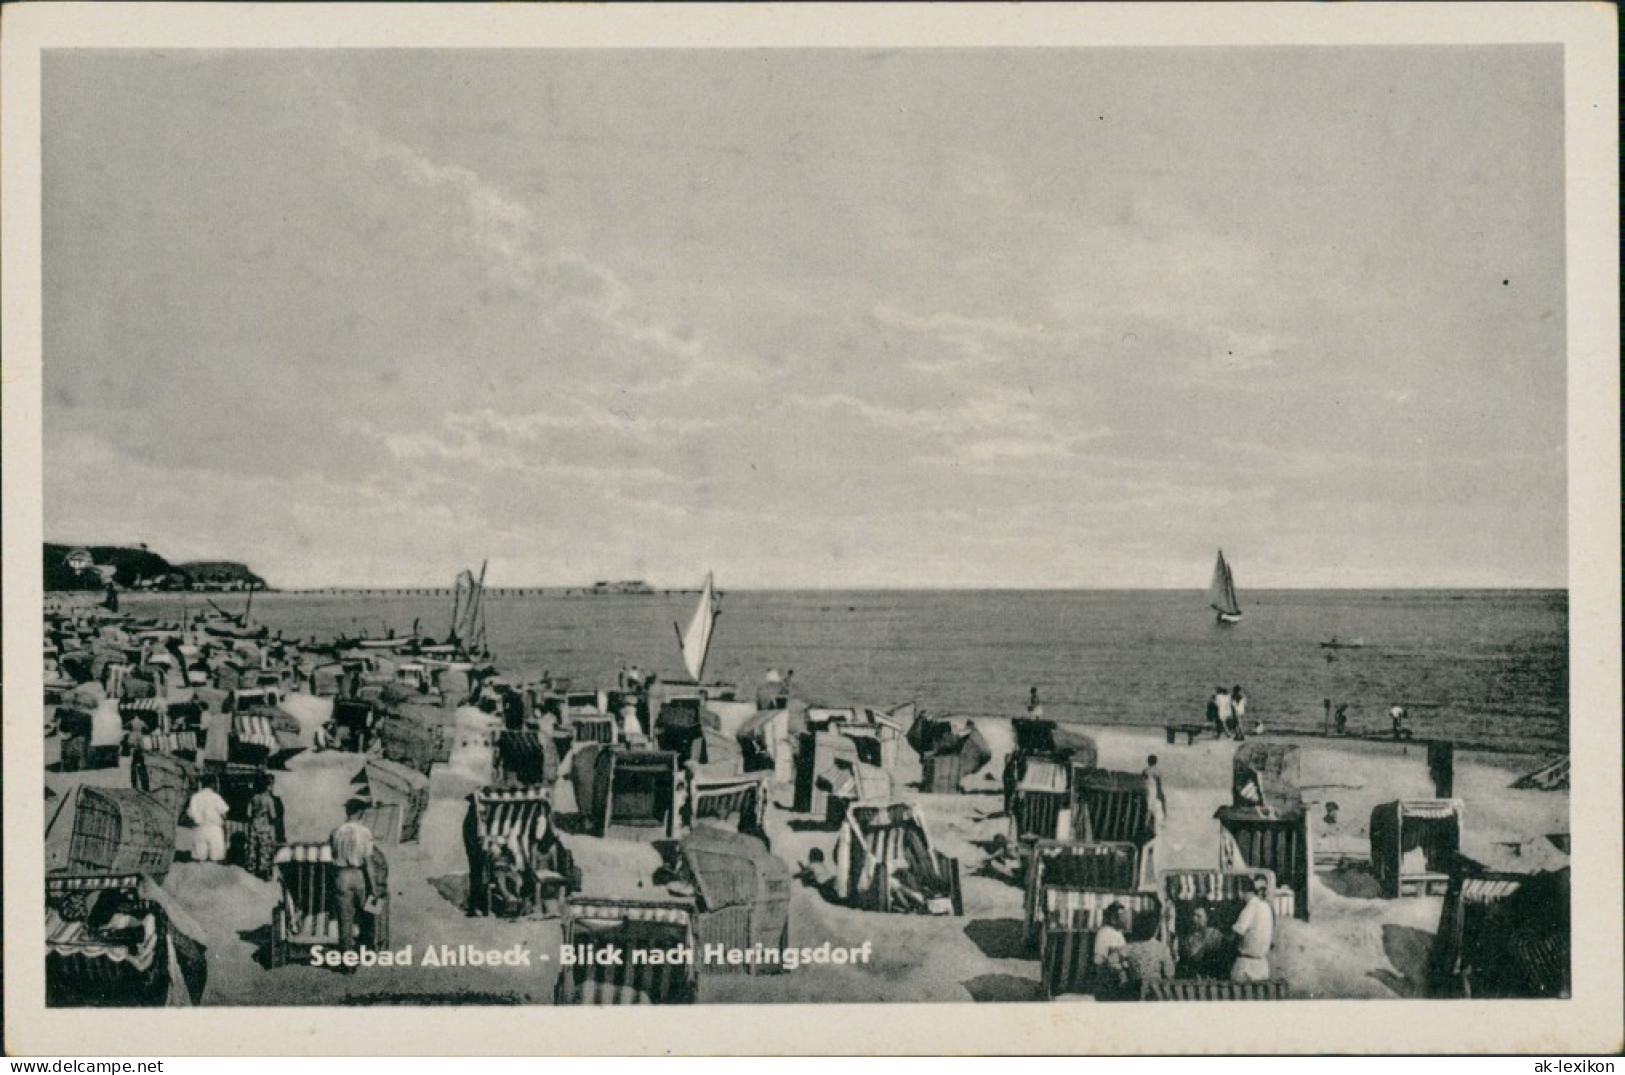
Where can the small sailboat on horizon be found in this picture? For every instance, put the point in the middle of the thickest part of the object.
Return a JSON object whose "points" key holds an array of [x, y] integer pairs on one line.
{"points": [[695, 643], [1221, 593]]}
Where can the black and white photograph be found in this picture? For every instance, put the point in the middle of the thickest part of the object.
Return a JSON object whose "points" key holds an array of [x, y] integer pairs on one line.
{"points": [[682, 523]]}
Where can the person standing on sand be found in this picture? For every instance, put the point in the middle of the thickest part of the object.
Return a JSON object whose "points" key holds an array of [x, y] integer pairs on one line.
{"points": [[352, 875], [208, 813], [1156, 803], [1255, 936], [265, 828], [1218, 711], [479, 896], [1238, 712], [1035, 708]]}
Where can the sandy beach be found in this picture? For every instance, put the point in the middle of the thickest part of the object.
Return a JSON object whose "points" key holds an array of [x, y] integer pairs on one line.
{"points": [[1356, 944]]}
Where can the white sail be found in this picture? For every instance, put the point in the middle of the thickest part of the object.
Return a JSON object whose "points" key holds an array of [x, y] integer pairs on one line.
{"points": [[1221, 592], [696, 641]]}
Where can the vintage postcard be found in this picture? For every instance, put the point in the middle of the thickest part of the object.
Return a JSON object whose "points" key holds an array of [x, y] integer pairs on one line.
{"points": [[917, 529]]}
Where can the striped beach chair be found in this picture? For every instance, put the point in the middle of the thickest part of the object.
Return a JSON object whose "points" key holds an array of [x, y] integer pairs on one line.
{"points": [[153, 712], [178, 743], [1041, 801], [876, 843], [721, 799], [304, 913], [507, 817], [1221, 893], [643, 933], [1072, 917], [1215, 989], [84, 966], [1101, 867]]}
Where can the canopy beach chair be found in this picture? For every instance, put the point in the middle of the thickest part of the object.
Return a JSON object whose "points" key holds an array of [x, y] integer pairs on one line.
{"points": [[1278, 841], [1110, 806], [1414, 843], [884, 861], [409, 743], [743, 894], [1276, 767], [1215, 989], [305, 914], [1040, 795], [1071, 918], [117, 940], [948, 754], [645, 933], [397, 799], [524, 757], [1035, 735], [817, 753], [739, 802], [177, 743], [507, 817], [635, 794], [98, 830], [1220, 893], [1098, 867], [1502, 935], [168, 778]]}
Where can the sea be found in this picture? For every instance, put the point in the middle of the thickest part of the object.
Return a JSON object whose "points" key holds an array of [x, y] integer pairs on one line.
{"points": [[1486, 668]]}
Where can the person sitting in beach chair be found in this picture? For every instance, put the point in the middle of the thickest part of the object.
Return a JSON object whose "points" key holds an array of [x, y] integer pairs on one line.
{"points": [[1249, 790], [817, 874], [551, 868], [1203, 950], [1142, 963], [1108, 973], [505, 879]]}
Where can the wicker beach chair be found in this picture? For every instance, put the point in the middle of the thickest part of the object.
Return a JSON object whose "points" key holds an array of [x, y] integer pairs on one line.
{"points": [[506, 817], [635, 794], [1220, 893], [1431, 826], [1040, 795], [112, 940], [1278, 841], [739, 802], [397, 799], [304, 913], [644, 933], [884, 862], [1071, 918], [743, 894], [524, 758], [100, 830], [1099, 867]]}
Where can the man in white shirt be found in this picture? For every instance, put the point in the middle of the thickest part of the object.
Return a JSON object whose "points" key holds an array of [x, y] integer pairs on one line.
{"points": [[208, 813], [1255, 936]]}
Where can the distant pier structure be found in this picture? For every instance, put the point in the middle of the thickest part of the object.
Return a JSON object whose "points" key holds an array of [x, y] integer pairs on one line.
{"points": [[421, 591]]}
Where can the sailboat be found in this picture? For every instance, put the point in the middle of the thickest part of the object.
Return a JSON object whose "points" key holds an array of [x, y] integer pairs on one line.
{"points": [[695, 642], [467, 631], [1221, 593]]}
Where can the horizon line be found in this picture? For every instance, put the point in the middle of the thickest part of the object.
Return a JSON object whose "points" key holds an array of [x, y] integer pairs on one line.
{"points": [[655, 591]]}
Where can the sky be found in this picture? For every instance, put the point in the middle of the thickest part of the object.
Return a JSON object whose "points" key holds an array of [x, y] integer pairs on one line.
{"points": [[811, 318]]}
